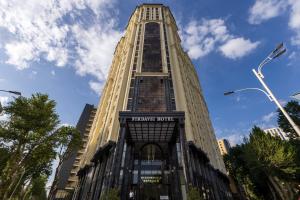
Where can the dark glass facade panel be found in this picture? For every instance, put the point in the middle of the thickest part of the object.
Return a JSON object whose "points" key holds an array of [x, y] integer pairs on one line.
{"points": [[152, 49], [151, 94], [152, 152]]}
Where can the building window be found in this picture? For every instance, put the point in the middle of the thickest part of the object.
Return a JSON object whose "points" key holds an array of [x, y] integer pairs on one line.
{"points": [[152, 50], [151, 92]]}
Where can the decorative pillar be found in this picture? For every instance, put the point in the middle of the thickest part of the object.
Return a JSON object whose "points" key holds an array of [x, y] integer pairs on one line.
{"points": [[185, 152], [127, 172], [175, 176], [116, 167]]}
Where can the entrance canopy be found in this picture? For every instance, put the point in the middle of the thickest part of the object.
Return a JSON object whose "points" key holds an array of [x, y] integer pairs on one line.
{"points": [[151, 127]]}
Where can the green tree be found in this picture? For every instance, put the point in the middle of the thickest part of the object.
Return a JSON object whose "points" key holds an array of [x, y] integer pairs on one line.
{"points": [[36, 190], [110, 194], [32, 137], [274, 159], [276, 156], [193, 193], [293, 109], [266, 166]]}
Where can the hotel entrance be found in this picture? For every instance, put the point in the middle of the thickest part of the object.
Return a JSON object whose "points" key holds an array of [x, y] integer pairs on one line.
{"points": [[151, 173], [151, 155], [154, 192]]}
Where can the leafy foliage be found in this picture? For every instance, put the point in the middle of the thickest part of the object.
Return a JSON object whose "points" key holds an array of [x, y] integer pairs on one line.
{"points": [[262, 164], [31, 137], [110, 194], [193, 194], [37, 190], [293, 109]]}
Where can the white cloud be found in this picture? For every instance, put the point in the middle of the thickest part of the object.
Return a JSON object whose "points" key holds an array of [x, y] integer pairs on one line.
{"points": [[266, 121], [20, 53], [237, 47], [39, 29], [95, 50], [263, 10], [235, 139], [294, 22], [4, 100], [292, 55], [35, 25], [295, 14], [282, 102], [269, 117], [97, 87], [53, 73], [234, 136], [204, 36], [64, 124], [52, 176]]}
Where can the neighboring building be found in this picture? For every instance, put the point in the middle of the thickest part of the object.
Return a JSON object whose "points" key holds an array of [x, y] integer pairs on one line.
{"points": [[152, 134], [277, 132], [66, 174], [224, 146]]}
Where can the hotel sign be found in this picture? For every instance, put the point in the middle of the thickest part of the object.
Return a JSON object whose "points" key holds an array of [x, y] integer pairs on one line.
{"points": [[152, 119], [151, 179]]}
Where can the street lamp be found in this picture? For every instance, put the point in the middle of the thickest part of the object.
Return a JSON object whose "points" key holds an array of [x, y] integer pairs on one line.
{"points": [[278, 51], [244, 89], [8, 91], [12, 92]]}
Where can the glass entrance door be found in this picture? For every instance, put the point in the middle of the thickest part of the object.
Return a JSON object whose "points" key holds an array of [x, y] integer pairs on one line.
{"points": [[150, 192], [150, 170]]}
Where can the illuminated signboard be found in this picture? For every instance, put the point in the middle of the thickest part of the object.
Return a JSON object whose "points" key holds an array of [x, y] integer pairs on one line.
{"points": [[151, 179], [152, 119]]}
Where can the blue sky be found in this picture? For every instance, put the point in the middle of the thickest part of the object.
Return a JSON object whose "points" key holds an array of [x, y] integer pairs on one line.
{"points": [[64, 48]]}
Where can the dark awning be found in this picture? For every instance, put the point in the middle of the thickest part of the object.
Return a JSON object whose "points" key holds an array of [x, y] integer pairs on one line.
{"points": [[199, 151], [151, 127], [103, 150]]}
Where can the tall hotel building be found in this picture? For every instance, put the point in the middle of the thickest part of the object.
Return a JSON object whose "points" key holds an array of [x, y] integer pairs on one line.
{"points": [[151, 135]]}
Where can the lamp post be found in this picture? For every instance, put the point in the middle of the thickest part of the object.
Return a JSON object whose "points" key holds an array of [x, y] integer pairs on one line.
{"points": [[274, 54]]}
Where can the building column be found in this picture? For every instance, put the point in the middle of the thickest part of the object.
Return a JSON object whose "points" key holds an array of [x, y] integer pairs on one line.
{"points": [[185, 152], [116, 167], [106, 176], [174, 172], [127, 172], [97, 164], [87, 185]]}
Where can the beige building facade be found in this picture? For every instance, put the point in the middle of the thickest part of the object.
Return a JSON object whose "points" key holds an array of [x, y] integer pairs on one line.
{"points": [[187, 89], [152, 113]]}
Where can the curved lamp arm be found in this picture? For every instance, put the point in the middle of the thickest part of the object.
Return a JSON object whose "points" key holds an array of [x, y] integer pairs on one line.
{"points": [[278, 51], [8, 91], [12, 92], [244, 89]]}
